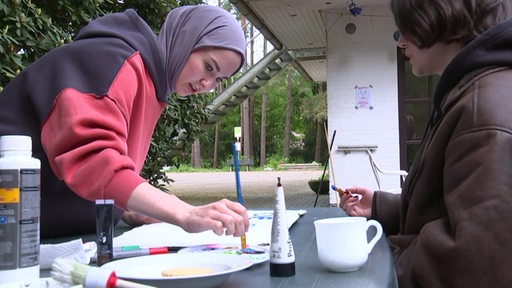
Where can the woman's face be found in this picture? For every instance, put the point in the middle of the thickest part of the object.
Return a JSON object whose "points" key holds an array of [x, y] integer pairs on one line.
{"points": [[429, 61], [206, 67]]}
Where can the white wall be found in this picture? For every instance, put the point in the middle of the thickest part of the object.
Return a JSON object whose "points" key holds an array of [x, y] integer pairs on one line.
{"points": [[367, 57]]}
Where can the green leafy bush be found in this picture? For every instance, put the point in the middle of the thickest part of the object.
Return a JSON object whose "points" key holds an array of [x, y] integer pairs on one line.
{"points": [[28, 29], [179, 124]]}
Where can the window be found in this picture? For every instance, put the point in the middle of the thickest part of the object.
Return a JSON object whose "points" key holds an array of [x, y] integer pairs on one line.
{"points": [[414, 106]]}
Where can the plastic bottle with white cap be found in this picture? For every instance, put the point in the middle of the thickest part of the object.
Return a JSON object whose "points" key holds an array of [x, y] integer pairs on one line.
{"points": [[20, 198]]}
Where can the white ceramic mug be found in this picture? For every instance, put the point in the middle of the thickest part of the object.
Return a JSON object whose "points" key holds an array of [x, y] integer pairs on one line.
{"points": [[342, 242]]}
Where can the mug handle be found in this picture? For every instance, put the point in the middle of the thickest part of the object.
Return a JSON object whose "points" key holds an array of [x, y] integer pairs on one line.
{"points": [[377, 236]]}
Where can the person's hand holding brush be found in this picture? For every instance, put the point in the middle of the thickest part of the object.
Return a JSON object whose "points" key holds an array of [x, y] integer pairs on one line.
{"points": [[356, 201], [222, 217]]}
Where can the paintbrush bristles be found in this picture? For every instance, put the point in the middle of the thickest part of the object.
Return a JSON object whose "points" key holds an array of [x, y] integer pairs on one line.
{"points": [[71, 272], [67, 270]]}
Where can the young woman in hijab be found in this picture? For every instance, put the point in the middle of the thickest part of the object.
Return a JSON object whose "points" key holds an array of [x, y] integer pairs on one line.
{"points": [[450, 226], [91, 107]]}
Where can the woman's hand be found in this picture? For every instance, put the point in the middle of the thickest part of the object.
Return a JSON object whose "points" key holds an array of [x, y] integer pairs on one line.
{"points": [[223, 217], [352, 205]]}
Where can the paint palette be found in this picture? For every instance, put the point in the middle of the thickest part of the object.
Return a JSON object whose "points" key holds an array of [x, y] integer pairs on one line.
{"points": [[256, 254]]}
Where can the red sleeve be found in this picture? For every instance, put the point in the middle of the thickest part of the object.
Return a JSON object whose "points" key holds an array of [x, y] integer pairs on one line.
{"points": [[86, 138]]}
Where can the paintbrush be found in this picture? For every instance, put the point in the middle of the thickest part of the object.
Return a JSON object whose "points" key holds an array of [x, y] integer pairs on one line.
{"points": [[337, 189], [243, 239], [72, 272]]}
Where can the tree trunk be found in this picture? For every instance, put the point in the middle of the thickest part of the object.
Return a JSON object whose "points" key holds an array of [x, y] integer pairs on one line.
{"points": [[263, 132], [263, 128], [215, 162], [319, 132], [249, 149], [244, 114], [287, 127], [246, 142], [195, 159], [250, 136], [318, 140]]}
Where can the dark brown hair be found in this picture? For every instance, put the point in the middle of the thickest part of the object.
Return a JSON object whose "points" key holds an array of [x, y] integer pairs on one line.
{"points": [[426, 22]]}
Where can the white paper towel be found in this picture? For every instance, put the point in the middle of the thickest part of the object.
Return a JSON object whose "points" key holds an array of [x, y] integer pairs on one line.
{"points": [[74, 249]]}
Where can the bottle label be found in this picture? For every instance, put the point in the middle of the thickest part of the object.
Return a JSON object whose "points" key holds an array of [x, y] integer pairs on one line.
{"points": [[9, 187], [19, 218]]}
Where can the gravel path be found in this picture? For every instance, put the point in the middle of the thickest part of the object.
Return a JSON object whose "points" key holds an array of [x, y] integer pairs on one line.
{"points": [[258, 187]]}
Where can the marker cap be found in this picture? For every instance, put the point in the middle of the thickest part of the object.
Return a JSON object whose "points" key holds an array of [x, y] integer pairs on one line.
{"points": [[282, 269]]}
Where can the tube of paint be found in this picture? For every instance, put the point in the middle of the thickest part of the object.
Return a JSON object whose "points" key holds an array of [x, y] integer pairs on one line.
{"points": [[282, 256], [104, 230]]}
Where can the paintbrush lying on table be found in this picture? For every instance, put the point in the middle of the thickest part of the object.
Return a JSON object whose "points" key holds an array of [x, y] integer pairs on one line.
{"points": [[72, 272]]}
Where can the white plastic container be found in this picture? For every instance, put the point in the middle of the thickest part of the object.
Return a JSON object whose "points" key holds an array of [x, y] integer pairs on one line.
{"points": [[20, 200]]}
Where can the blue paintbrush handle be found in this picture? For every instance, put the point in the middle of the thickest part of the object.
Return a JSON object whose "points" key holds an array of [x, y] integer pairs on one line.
{"points": [[237, 175]]}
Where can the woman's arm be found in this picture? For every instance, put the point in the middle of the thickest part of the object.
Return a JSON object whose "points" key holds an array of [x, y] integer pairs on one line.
{"points": [[223, 217]]}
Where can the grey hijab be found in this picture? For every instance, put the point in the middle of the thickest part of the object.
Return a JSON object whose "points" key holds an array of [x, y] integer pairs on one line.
{"points": [[187, 28]]}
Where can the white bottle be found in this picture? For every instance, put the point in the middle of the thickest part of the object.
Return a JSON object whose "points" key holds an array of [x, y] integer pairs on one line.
{"points": [[282, 255], [20, 198]]}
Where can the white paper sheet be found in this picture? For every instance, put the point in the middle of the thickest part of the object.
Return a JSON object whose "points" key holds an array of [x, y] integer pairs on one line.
{"points": [[164, 234]]}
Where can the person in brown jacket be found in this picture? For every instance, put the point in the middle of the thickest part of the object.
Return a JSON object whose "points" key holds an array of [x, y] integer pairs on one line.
{"points": [[451, 226]]}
